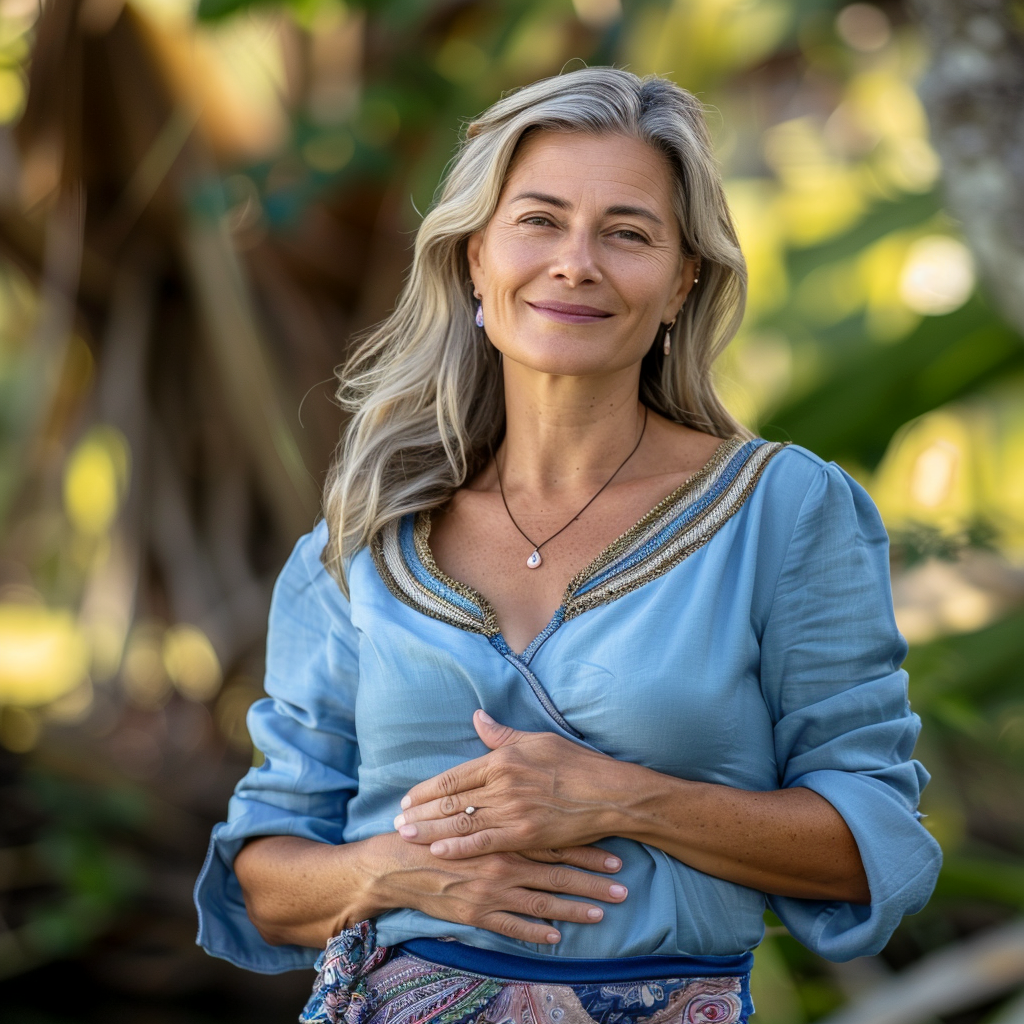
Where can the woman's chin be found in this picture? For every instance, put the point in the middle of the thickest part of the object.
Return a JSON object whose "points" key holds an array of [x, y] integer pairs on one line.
{"points": [[572, 359]]}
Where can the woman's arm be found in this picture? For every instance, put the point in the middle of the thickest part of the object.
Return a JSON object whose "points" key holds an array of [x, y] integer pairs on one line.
{"points": [[301, 892], [536, 788], [788, 842]]}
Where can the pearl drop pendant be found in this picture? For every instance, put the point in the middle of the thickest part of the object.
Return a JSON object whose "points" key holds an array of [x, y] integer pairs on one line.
{"points": [[534, 561]]}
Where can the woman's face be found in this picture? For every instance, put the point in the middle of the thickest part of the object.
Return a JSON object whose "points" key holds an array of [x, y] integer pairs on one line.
{"points": [[582, 260]]}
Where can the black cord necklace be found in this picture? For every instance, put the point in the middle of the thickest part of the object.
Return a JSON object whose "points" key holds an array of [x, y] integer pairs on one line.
{"points": [[535, 561]]}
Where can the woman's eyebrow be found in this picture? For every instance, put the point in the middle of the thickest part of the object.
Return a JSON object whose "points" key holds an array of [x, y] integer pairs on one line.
{"points": [[614, 211], [634, 211], [543, 197]]}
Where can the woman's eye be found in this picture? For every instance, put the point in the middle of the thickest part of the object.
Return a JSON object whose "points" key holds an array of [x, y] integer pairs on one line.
{"points": [[536, 219], [631, 236]]}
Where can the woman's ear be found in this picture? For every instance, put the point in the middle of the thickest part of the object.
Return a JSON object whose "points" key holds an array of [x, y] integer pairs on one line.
{"points": [[476, 271], [684, 284]]}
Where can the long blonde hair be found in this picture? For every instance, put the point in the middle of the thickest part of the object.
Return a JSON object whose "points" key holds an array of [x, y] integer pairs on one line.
{"points": [[424, 387]]}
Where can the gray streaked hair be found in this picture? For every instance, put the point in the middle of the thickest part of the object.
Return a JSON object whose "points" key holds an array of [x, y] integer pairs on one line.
{"points": [[424, 387]]}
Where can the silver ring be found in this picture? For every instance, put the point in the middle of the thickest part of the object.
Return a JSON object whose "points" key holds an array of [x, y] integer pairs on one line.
{"points": [[470, 810]]}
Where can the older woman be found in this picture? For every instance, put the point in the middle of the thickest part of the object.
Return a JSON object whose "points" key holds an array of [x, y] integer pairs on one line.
{"points": [[576, 674]]}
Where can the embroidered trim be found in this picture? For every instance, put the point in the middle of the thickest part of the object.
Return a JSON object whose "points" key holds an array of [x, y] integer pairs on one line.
{"points": [[416, 589], [659, 542], [421, 536], [677, 526]]}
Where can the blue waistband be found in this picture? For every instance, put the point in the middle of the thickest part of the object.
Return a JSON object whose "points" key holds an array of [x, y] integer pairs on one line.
{"points": [[571, 971]]}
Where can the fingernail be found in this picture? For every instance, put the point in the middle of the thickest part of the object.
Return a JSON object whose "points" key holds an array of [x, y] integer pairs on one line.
{"points": [[554, 937], [438, 848], [595, 914], [410, 831], [400, 821], [406, 803], [617, 891], [487, 720], [613, 863]]}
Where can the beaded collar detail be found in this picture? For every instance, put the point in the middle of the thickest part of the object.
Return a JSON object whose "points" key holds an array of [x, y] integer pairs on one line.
{"points": [[677, 526]]}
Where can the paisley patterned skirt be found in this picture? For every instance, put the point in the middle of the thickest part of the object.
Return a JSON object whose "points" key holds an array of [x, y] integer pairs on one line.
{"points": [[410, 990], [362, 983]]}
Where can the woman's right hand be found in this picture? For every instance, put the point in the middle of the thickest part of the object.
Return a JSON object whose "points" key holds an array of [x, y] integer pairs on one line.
{"points": [[302, 892], [494, 891]]}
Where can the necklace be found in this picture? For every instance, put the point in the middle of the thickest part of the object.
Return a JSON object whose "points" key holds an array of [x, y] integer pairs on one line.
{"points": [[535, 561]]}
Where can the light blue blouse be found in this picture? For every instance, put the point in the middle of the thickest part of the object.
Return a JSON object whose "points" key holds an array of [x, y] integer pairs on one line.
{"points": [[742, 633]]}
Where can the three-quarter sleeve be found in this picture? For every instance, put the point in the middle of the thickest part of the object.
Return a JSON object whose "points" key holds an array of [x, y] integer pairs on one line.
{"points": [[305, 731], [830, 672]]}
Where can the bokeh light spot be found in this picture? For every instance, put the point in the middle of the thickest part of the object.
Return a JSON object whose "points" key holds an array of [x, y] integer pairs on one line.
{"points": [[73, 707], [43, 654], [19, 729], [460, 61], [143, 676], [938, 275], [232, 706], [329, 153], [191, 662], [933, 474], [95, 479], [863, 27], [12, 95], [597, 14]]}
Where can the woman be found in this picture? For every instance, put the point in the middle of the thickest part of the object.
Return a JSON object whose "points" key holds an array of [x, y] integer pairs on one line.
{"points": [[590, 673]]}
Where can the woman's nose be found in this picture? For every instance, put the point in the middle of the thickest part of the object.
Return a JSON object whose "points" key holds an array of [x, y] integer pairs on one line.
{"points": [[576, 261]]}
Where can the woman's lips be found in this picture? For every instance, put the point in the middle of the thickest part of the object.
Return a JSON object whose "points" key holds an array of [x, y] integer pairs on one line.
{"points": [[569, 313]]}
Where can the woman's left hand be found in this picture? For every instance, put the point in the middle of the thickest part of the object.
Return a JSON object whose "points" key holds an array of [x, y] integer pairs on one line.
{"points": [[534, 790]]}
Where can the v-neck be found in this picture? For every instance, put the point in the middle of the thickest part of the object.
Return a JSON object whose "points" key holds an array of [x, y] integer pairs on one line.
{"points": [[678, 524], [678, 494]]}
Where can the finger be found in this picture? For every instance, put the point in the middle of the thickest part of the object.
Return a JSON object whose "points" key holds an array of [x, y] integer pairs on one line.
{"points": [[438, 810], [493, 733], [557, 878], [589, 858], [458, 847], [444, 830], [546, 904], [465, 776], [518, 928]]}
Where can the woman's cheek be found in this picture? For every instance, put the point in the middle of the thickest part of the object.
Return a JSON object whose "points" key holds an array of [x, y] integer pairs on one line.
{"points": [[523, 263], [646, 285]]}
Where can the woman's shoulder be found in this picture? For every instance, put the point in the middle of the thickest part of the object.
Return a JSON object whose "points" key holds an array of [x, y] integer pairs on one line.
{"points": [[813, 495], [305, 581], [795, 471], [792, 462], [304, 561], [771, 480]]}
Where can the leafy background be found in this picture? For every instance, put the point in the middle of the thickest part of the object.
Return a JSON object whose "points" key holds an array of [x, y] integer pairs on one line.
{"points": [[198, 207]]}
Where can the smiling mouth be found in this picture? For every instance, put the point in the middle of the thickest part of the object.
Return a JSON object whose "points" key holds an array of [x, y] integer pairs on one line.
{"points": [[568, 312]]}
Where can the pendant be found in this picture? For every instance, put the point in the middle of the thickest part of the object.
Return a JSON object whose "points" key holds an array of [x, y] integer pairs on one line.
{"points": [[534, 561]]}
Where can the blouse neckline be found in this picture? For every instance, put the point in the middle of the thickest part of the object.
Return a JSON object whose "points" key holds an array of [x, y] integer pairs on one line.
{"points": [[676, 496], [677, 525]]}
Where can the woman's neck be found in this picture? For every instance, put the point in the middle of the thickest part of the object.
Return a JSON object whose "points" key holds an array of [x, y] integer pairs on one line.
{"points": [[566, 434]]}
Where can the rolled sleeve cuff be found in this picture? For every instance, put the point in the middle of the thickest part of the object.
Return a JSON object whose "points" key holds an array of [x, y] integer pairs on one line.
{"points": [[900, 858], [225, 930]]}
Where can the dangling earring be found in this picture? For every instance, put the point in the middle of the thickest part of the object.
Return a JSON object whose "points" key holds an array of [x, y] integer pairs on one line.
{"points": [[480, 315], [667, 346]]}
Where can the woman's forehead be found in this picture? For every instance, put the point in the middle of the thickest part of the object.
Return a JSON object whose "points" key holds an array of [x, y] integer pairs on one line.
{"points": [[578, 163]]}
